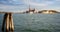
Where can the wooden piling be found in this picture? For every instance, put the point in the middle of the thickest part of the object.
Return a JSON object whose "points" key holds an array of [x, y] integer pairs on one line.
{"points": [[3, 24], [8, 21], [11, 22]]}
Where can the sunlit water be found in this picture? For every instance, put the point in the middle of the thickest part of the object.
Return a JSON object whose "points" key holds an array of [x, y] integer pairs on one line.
{"points": [[35, 22]]}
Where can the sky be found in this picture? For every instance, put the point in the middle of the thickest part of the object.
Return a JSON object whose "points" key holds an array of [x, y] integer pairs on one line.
{"points": [[23, 5]]}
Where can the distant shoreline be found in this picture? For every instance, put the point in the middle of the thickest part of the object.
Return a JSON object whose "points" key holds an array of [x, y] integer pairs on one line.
{"points": [[34, 12]]}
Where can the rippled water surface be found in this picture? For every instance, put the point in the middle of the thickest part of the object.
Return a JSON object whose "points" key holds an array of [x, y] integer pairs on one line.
{"points": [[35, 22]]}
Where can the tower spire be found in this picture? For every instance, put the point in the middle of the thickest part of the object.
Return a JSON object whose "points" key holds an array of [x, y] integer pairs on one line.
{"points": [[29, 7]]}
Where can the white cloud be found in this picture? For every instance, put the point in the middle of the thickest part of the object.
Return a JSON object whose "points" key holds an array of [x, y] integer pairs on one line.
{"points": [[49, 2], [29, 2], [10, 8], [40, 5], [57, 0], [37, 4], [43, 4]]}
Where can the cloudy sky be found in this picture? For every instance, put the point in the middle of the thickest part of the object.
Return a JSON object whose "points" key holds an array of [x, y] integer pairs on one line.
{"points": [[22, 5]]}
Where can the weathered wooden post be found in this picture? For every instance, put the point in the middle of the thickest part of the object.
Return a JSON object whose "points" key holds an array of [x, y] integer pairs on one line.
{"points": [[8, 21], [11, 25], [3, 24]]}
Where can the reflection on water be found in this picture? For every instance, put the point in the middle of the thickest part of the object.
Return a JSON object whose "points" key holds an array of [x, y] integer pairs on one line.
{"points": [[36, 22]]}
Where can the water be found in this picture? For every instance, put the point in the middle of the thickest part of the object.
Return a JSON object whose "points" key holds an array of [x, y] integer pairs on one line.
{"points": [[35, 22]]}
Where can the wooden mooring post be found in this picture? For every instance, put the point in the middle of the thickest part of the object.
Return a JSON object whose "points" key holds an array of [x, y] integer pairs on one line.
{"points": [[8, 23]]}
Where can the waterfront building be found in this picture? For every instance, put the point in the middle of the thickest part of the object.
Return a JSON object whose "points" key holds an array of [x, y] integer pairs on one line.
{"points": [[49, 11], [30, 10]]}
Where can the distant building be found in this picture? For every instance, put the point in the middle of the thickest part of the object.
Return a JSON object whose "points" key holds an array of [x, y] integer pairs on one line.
{"points": [[49, 11], [30, 10]]}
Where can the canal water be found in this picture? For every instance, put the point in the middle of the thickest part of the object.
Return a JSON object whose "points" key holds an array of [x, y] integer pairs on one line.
{"points": [[35, 22]]}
